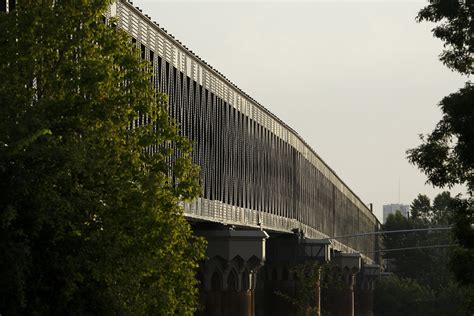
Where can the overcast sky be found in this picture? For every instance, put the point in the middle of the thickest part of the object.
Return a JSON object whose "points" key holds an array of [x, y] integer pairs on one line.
{"points": [[357, 80]]}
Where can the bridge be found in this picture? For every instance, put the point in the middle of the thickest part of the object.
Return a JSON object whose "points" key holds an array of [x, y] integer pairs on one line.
{"points": [[269, 201]]}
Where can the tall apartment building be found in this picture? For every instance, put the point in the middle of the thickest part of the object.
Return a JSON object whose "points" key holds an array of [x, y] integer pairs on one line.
{"points": [[393, 208]]}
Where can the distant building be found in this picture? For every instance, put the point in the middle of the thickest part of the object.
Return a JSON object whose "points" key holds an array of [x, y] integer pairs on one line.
{"points": [[393, 208]]}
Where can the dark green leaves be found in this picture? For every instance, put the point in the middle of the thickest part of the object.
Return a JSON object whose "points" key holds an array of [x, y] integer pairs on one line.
{"points": [[446, 155], [90, 220], [455, 29]]}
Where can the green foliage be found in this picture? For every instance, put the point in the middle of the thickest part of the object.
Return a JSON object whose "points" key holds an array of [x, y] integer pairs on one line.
{"points": [[397, 296], [439, 214], [307, 280], [463, 256], [454, 300], [443, 205], [310, 278], [429, 268], [455, 28], [446, 155], [402, 296], [421, 207], [90, 220]]}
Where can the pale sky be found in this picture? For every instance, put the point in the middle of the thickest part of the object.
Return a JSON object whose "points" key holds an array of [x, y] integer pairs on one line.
{"points": [[357, 80]]}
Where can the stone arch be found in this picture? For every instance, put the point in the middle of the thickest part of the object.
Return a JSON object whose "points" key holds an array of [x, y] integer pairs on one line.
{"points": [[237, 262], [274, 274], [295, 276], [244, 280], [216, 280], [285, 274], [232, 280]]}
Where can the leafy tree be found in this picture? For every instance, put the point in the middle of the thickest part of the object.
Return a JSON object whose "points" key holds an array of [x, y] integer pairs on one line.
{"points": [[427, 267], [307, 284], [443, 205], [446, 155], [401, 296], [463, 256], [310, 280], [437, 214], [398, 296], [90, 219], [453, 299], [414, 264], [420, 208], [455, 28]]}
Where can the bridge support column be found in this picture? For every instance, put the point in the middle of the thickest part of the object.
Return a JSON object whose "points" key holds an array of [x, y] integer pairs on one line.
{"points": [[364, 292], [228, 277], [340, 299], [283, 285]]}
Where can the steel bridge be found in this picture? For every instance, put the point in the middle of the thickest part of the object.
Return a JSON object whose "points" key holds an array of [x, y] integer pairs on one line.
{"points": [[256, 170], [260, 179], [257, 173]]}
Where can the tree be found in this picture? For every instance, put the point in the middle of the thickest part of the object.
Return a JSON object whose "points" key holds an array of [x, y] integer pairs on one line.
{"points": [[307, 286], [89, 215], [462, 259], [455, 28], [413, 264], [427, 266], [312, 280], [399, 296], [443, 205], [446, 155], [439, 213], [420, 208]]}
